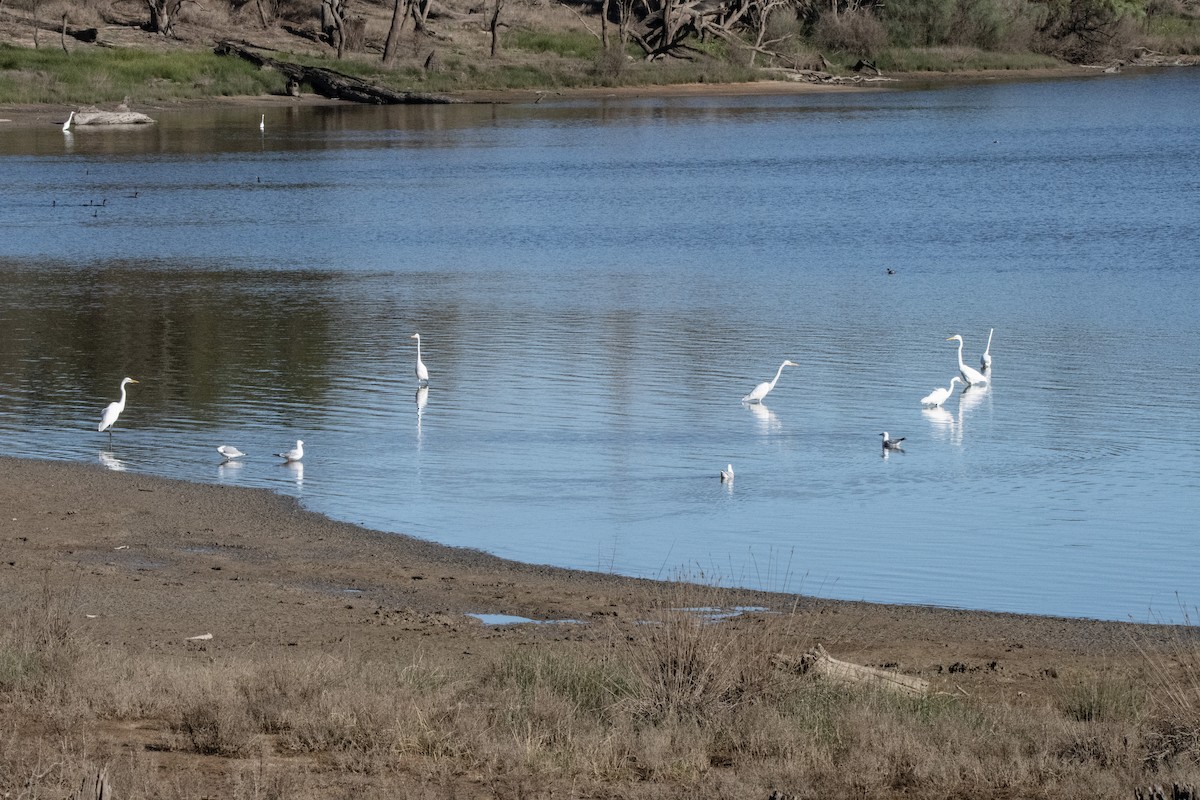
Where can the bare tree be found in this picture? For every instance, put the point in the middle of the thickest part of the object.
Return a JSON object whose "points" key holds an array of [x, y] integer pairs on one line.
{"points": [[162, 15], [495, 26], [268, 11], [333, 22], [399, 13]]}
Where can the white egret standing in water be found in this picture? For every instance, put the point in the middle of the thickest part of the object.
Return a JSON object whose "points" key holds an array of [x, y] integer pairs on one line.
{"points": [[295, 454], [986, 359], [939, 396], [262, 123], [67, 124], [113, 410], [765, 387], [229, 451], [422, 373], [727, 474], [970, 375]]}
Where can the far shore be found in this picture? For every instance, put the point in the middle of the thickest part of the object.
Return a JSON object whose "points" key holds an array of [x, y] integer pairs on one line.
{"points": [[38, 115]]}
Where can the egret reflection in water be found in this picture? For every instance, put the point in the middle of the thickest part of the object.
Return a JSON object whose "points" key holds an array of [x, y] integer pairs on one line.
{"points": [[111, 461], [768, 420], [941, 420], [227, 470], [422, 399]]}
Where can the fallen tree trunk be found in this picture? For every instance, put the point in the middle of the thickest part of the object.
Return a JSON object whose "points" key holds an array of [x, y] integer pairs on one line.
{"points": [[111, 118], [331, 84], [818, 662]]}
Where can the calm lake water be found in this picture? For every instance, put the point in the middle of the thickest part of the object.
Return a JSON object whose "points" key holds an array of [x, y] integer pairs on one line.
{"points": [[598, 284]]}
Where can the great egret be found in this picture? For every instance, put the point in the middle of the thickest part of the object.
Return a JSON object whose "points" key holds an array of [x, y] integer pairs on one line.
{"points": [[229, 451], [727, 474], [262, 123], [295, 454], [113, 410], [765, 387], [67, 124], [970, 375], [889, 443], [422, 373], [939, 396], [986, 359]]}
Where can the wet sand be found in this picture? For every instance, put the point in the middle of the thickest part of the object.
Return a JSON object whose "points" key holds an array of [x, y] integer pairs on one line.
{"points": [[150, 562]]}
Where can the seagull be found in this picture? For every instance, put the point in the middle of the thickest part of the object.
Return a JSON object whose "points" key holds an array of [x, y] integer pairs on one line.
{"points": [[67, 124], [727, 474], [295, 454], [229, 451], [939, 396], [891, 444]]}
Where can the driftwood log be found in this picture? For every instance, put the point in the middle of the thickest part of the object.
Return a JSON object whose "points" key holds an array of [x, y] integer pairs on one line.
{"points": [[331, 84], [818, 662], [95, 117]]}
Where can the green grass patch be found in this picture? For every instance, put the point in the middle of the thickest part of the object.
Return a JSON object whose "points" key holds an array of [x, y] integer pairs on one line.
{"points": [[568, 44], [98, 76]]}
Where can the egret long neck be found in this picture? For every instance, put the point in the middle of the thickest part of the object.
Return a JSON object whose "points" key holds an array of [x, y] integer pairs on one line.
{"points": [[418, 348], [778, 372], [122, 403]]}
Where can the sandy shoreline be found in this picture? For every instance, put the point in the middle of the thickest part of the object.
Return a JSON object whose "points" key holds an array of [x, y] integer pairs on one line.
{"points": [[168, 559], [129, 568]]}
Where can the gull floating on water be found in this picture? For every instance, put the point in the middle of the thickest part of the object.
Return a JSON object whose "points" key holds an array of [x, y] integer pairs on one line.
{"points": [[727, 474], [295, 454], [229, 451], [939, 396], [889, 443]]}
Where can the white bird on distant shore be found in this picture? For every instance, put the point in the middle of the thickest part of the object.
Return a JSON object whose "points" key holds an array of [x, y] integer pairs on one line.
{"points": [[295, 454], [986, 359], [970, 375], [727, 474], [422, 373], [113, 410], [761, 391], [229, 451], [889, 443], [67, 124], [939, 396], [262, 123]]}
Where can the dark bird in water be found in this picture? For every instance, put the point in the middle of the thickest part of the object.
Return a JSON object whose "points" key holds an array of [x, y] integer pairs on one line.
{"points": [[891, 444], [891, 271]]}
